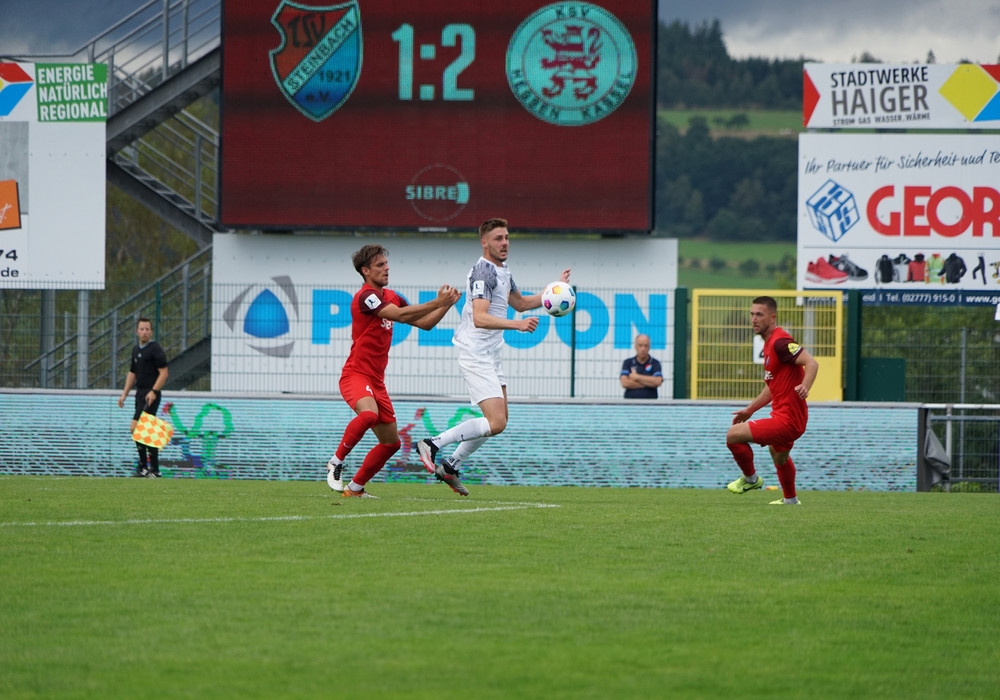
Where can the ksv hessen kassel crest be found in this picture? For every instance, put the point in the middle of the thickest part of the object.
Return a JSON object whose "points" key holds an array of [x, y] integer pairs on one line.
{"points": [[319, 60], [571, 64]]}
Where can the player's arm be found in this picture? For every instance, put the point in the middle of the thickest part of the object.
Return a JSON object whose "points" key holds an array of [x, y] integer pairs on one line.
{"points": [[521, 303], [161, 378], [763, 399], [425, 315], [129, 383], [808, 362], [482, 318], [645, 380]]}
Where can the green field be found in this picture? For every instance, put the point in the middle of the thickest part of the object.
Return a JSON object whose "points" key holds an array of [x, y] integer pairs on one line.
{"points": [[695, 270], [125, 588], [783, 123]]}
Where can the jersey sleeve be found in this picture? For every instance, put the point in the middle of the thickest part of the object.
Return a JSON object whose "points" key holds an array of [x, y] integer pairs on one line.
{"points": [[626, 367], [159, 356], [371, 302], [786, 350], [483, 281], [657, 368]]}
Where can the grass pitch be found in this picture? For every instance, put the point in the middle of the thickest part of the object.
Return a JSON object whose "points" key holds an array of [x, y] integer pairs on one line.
{"points": [[121, 588]]}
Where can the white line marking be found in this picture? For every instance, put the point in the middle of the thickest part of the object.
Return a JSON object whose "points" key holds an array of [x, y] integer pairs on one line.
{"points": [[277, 518]]}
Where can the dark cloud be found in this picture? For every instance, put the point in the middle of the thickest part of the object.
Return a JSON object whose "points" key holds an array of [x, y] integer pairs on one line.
{"points": [[897, 31]]}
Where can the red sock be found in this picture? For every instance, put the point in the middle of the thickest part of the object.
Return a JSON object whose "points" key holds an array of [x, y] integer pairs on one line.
{"points": [[743, 454], [375, 460], [786, 477], [354, 431]]}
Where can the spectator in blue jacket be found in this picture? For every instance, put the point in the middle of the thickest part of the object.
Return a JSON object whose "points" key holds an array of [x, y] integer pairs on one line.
{"points": [[641, 375]]}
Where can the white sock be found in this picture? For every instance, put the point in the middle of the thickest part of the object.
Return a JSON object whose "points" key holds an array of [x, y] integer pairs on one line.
{"points": [[751, 479], [465, 450], [335, 462], [466, 430], [355, 487]]}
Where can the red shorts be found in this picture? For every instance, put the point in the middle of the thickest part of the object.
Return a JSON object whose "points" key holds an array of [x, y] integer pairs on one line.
{"points": [[774, 432], [354, 387]]}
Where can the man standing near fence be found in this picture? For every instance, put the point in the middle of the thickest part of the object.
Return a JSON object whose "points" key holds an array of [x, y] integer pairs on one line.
{"points": [[789, 373], [148, 373], [641, 374]]}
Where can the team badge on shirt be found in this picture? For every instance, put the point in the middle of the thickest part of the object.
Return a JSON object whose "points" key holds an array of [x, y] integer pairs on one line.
{"points": [[793, 349], [372, 301]]}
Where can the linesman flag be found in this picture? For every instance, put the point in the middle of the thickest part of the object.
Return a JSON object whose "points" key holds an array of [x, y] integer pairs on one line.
{"points": [[152, 431]]}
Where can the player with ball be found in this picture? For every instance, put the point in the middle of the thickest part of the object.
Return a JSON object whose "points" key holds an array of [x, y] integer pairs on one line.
{"points": [[479, 339]]}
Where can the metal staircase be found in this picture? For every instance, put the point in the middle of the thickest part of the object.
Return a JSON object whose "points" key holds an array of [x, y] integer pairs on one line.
{"points": [[162, 58]]}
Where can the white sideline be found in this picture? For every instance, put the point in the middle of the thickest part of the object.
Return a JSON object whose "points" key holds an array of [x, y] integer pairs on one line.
{"points": [[278, 518]]}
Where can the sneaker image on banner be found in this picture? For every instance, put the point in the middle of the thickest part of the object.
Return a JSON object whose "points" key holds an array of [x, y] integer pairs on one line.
{"points": [[853, 272], [821, 272]]}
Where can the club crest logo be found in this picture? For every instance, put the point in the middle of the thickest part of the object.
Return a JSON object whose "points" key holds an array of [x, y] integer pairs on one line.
{"points": [[571, 65], [317, 65]]}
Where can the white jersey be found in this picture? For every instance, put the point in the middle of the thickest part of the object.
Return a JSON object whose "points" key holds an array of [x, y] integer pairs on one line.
{"points": [[486, 281]]}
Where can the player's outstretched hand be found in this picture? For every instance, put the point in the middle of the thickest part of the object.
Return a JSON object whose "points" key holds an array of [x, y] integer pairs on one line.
{"points": [[528, 324], [741, 416], [448, 294]]}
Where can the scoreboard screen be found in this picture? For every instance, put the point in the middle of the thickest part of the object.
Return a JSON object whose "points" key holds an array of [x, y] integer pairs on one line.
{"points": [[437, 114]]}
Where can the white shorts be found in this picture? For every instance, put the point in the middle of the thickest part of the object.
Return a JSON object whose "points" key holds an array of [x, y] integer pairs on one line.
{"points": [[483, 374]]}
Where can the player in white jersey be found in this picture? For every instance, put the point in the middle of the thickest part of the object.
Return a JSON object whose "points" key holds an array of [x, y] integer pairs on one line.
{"points": [[489, 291]]}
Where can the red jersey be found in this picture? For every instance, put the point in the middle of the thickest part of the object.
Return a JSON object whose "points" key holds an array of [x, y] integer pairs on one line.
{"points": [[782, 376], [371, 336]]}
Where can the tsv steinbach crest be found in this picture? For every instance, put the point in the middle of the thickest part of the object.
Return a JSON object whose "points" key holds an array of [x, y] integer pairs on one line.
{"points": [[318, 62]]}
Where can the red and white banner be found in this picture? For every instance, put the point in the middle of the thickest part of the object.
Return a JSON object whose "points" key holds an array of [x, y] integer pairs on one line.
{"points": [[900, 212], [880, 96]]}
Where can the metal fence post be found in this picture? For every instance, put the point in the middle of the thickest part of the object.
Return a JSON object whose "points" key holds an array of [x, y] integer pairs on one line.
{"points": [[82, 338], [48, 337], [572, 349], [114, 348], [680, 343]]}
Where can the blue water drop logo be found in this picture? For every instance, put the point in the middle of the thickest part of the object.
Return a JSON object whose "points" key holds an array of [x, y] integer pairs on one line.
{"points": [[266, 317]]}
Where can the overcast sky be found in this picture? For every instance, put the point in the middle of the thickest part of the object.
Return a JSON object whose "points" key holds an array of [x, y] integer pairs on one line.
{"points": [[894, 31]]}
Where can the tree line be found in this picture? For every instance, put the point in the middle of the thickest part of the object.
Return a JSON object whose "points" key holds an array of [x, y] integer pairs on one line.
{"points": [[726, 189]]}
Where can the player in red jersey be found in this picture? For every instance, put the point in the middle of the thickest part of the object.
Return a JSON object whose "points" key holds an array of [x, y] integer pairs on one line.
{"points": [[362, 382], [789, 373]]}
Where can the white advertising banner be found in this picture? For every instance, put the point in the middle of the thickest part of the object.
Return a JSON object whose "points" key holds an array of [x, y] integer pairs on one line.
{"points": [[281, 317], [883, 96], [907, 218], [52, 175]]}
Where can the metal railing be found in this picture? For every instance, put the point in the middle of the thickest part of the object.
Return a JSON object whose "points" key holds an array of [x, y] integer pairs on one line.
{"points": [[93, 353], [970, 436], [177, 160], [153, 42]]}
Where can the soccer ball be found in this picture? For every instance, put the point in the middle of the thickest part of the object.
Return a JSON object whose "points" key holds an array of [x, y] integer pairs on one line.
{"points": [[558, 298]]}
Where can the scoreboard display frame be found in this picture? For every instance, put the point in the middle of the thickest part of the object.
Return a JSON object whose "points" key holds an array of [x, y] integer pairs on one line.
{"points": [[438, 114]]}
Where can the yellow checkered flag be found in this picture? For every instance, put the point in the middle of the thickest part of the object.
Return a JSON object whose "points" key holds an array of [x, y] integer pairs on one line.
{"points": [[152, 431]]}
